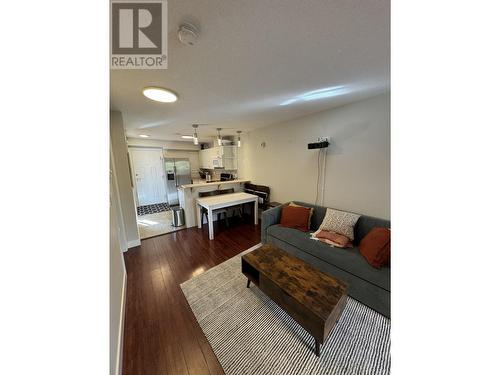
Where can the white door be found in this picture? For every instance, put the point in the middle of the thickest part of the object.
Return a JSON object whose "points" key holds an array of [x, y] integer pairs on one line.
{"points": [[149, 175]]}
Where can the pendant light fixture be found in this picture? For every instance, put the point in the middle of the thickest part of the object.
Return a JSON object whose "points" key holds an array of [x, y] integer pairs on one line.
{"points": [[239, 138], [219, 138], [195, 134]]}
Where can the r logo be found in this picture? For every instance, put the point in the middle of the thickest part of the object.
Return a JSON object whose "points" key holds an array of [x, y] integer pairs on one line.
{"points": [[136, 28]]}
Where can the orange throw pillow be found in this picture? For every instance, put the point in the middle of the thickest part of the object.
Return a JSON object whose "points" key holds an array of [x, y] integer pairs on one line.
{"points": [[295, 217], [332, 238], [310, 211], [376, 247]]}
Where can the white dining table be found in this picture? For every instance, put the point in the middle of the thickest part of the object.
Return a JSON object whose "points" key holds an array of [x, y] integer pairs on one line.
{"points": [[221, 201]]}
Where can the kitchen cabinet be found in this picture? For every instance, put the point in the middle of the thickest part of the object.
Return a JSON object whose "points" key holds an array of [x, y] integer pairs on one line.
{"points": [[225, 157]]}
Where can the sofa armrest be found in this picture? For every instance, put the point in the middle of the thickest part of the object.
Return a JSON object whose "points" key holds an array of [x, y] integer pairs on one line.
{"points": [[269, 217]]}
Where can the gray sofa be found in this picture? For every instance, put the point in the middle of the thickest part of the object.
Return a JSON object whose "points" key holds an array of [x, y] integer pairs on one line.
{"points": [[367, 284]]}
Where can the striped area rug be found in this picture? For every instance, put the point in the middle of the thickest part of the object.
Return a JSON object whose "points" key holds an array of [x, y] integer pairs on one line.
{"points": [[250, 334]]}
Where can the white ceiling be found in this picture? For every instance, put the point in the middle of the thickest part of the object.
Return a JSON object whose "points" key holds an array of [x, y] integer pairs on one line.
{"points": [[253, 56]]}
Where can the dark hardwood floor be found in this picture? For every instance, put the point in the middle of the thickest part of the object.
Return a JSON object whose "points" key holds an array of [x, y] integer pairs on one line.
{"points": [[161, 332]]}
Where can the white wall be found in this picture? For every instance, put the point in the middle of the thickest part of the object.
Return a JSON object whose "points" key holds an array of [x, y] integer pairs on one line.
{"points": [[117, 290], [122, 173], [358, 159]]}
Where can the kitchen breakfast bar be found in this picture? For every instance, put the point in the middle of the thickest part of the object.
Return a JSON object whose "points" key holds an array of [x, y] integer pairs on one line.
{"points": [[190, 201]]}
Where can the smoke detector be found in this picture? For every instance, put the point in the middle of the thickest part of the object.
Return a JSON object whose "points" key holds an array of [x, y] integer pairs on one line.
{"points": [[188, 34]]}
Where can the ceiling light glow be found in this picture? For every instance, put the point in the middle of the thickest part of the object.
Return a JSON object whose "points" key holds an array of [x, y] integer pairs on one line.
{"points": [[327, 92], [143, 135], [159, 94]]}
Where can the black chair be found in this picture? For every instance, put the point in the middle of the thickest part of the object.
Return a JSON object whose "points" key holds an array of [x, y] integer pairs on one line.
{"points": [[234, 209], [263, 192], [204, 211]]}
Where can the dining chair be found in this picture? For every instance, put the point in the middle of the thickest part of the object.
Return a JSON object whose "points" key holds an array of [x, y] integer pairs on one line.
{"points": [[218, 212], [234, 209]]}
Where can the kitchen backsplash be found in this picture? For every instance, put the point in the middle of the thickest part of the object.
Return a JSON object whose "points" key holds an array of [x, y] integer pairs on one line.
{"points": [[215, 173]]}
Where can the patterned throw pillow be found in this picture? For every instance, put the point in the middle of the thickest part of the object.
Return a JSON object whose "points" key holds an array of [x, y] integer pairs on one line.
{"points": [[340, 222]]}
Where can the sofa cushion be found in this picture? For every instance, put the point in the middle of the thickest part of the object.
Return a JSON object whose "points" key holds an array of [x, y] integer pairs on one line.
{"points": [[340, 222], [311, 210], [332, 238], [317, 216], [365, 224], [348, 260], [375, 247], [295, 217]]}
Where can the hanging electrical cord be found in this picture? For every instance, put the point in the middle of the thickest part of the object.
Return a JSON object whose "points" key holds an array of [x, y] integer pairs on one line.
{"points": [[324, 177], [317, 179], [322, 144]]}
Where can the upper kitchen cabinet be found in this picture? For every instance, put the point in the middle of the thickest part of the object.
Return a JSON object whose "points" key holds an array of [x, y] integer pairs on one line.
{"points": [[225, 157]]}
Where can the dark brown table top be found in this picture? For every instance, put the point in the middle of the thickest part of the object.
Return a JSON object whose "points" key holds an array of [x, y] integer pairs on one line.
{"points": [[314, 289]]}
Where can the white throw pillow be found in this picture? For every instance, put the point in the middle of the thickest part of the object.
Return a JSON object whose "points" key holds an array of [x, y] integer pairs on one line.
{"points": [[340, 222]]}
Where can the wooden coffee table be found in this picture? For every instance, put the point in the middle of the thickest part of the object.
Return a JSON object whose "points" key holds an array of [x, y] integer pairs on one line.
{"points": [[313, 298]]}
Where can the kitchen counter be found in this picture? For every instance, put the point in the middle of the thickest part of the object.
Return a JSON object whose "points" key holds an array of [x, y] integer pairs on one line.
{"points": [[213, 183]]}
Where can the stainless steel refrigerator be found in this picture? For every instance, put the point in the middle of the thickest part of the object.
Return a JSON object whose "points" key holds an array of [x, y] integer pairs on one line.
{"points": [[178, 173]]}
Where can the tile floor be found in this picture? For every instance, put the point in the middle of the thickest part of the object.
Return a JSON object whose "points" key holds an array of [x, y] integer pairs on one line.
{"points": [[152, 208], [151, 225]]}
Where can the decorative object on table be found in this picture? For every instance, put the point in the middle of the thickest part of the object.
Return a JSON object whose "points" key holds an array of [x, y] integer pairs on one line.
{"points": [[249, 333]]}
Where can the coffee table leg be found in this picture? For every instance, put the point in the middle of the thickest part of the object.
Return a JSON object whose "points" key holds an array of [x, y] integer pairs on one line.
{"points": [[248, 283], [317, 347]]}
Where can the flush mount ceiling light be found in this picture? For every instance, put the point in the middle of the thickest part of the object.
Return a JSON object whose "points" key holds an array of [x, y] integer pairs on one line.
{"points": [[195, 134], [143, 135], [327, 92], [159, 94], [239, 138], [219, 138]]}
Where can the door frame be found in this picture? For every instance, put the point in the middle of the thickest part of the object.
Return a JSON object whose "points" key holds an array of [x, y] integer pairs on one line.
{"points": [[132, 167]]}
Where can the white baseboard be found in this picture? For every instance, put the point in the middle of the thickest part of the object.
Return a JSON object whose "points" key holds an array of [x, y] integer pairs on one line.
{"points": [[119, 352], [133, 243]]}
